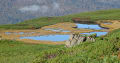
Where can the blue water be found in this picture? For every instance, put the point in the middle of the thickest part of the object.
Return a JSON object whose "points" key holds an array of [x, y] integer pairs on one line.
{"points": [[57, 30], [98, 33], [7, 33], [20, 33], [48, 37], [89, 26], [56, 38], [14, 33]]}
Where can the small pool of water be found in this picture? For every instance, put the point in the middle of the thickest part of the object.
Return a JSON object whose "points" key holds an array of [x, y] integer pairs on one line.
{"points": [[8, 33], [89, 26], [54, 38], [20, 33], [56, 30], [58, 38], [98, 33]]}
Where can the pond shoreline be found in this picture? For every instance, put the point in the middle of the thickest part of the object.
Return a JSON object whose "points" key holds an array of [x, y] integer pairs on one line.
{"points": [[65, 26]]}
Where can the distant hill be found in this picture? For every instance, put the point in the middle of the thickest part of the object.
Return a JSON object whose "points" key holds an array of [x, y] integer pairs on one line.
{"points": [[111, 14], [13, 11]]}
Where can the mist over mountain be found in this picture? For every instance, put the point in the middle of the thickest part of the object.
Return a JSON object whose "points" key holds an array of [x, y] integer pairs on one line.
{"points": [[13, 11]]}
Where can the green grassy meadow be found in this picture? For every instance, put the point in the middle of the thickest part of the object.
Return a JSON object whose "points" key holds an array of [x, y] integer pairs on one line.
{"points": [[104, 50], [19, 52]]}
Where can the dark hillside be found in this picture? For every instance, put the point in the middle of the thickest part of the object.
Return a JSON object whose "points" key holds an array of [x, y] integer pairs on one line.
{"points": [[14, 11]]}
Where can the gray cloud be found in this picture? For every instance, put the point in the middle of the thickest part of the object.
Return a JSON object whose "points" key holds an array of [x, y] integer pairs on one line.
{"points": [[40, 7], [34, 8]]}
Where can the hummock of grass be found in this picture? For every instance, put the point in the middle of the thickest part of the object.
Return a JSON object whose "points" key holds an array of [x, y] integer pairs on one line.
{"points": [[37, 23]]}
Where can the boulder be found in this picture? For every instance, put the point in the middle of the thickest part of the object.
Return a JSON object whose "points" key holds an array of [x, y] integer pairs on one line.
{"points": [[76, 39]]}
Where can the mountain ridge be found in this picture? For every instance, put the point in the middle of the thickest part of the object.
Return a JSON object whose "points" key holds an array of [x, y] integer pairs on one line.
{"points": [[14, 11]]}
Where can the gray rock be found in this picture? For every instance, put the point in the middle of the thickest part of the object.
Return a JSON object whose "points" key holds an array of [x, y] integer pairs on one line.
{"points": [[90, 39], [67, 43], [76, 39], [81, 39], [73, 42]]}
